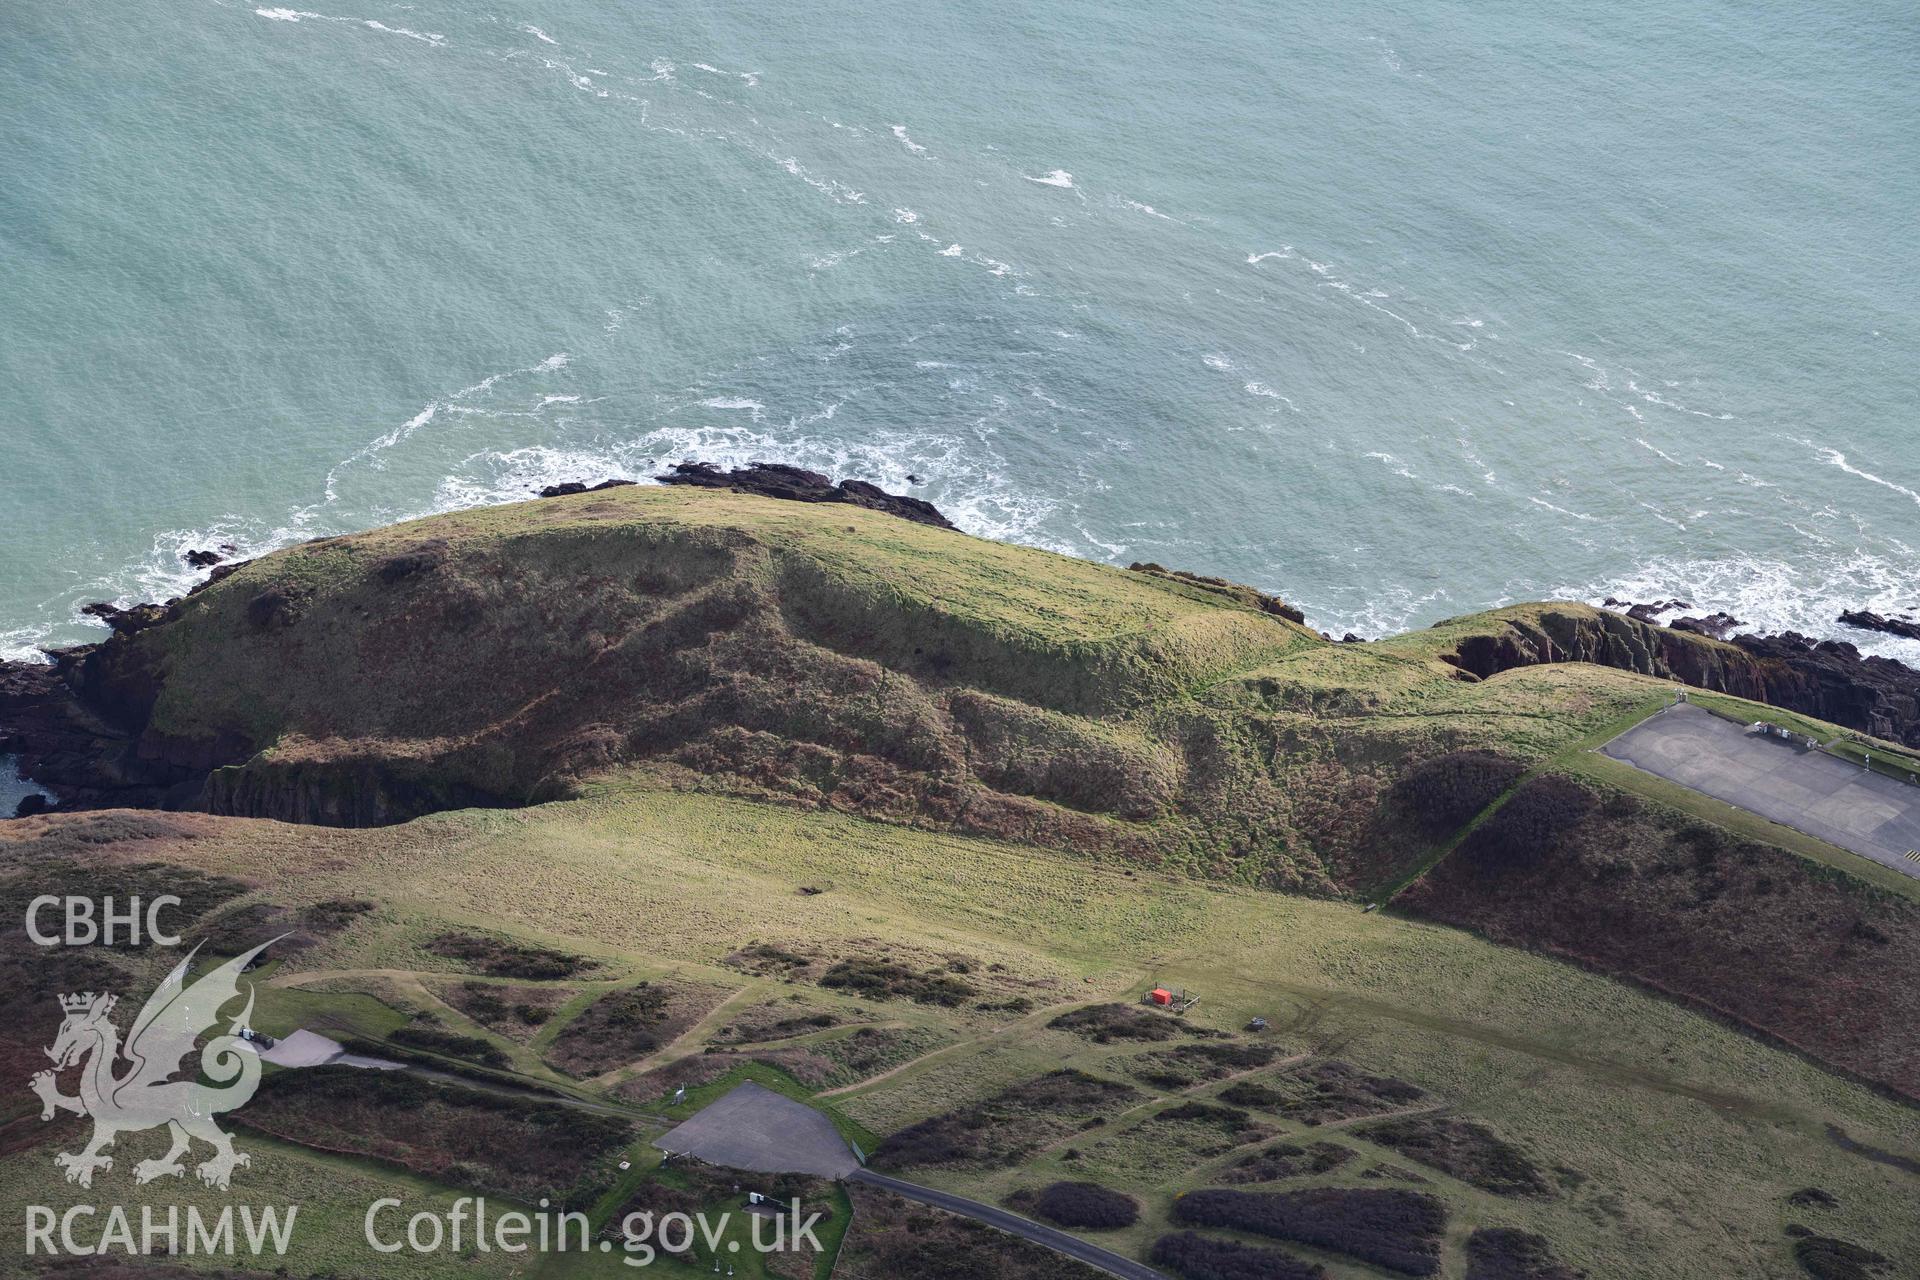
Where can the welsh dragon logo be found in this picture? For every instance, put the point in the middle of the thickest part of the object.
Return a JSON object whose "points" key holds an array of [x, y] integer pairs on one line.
{"points": [[144, 1095]]}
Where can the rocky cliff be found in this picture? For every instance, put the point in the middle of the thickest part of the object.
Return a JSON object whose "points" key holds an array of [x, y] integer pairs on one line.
{"points": [[1829, 680]]}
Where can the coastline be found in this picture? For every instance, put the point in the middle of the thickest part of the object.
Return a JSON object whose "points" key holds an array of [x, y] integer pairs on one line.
{"points": [[78, 719], [166, 572]]}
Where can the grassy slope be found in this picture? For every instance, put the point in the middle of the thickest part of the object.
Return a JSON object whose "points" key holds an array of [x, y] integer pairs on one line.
{"points": [[1689, 1134], [628, 643], [843, 659], [1014, 620]]}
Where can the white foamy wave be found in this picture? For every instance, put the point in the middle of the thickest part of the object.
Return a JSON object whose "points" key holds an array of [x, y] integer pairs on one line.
{"points": [[1054, 178], [1216, 362], [1835, 458], [1388, 610], [1284, 253], [13, 787], [753, 407], [900, 132], [514, 475], [425, 37], [1771, 595], [22, 644], [832, 187], [1149, 210], [752, 78], [369, 454], [1542, 502], [1266, 392], [1050, 402], [538, 34], [295, 15], [905, 216], [1655, 397], [1658, 452]]}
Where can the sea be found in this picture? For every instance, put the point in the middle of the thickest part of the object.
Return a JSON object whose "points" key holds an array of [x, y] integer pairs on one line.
{"points": [[1398, 309]]}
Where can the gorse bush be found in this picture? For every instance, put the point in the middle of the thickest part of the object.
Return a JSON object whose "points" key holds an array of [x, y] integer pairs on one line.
{"points": [[1825, 1258], [1441, 795], [1504, 1253], [1083, 1205], [498, 958], [1529, 824], [1004, 1129], [885, 979], [471, 1048], [1398, 1230], [1102, 1023], [1468, 1151], [1198, 1257]]}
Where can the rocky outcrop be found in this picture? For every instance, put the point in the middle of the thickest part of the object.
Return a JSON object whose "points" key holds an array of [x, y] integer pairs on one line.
{"points": [[79, 723], [63, 744], [581, 486], [1239, 593], [1904, 627], [777, 480], [1649, 611], [1717, 626], [334, 794], [129, 620], [1828, 679]]}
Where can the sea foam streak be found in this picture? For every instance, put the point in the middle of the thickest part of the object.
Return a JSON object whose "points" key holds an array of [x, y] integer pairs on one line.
{"points": [[1054, 178], [425, 37], [1835, 458]]}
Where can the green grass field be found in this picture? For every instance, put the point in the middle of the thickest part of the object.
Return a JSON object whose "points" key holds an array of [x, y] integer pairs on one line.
{"points": [[1682, 1136]]}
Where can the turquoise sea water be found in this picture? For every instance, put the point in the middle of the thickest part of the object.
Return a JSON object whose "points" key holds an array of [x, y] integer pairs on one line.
{"points": [[1399, 309]]}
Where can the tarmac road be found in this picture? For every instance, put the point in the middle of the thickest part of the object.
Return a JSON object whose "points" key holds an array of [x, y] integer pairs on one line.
{"points": [[756, 1129], [1058, 1241]]}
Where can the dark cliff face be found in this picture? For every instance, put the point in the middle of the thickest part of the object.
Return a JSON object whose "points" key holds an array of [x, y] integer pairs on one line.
{"points": [[1827, 679], [80, 724], [1830, 679]]}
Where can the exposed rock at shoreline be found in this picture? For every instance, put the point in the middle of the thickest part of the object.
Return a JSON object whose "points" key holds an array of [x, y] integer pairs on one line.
{"points": [[129, 620], [62, 744], [1648, 612], [1238, 592], [580, 486], [1904, 627], [777, 480], [1716, 625], [1830, 679]]}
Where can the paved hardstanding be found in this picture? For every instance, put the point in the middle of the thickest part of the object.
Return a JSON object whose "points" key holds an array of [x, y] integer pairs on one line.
{"points": [[1822, 795]]}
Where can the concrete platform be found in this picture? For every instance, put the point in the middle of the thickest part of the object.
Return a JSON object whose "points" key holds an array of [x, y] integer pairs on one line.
{"points": [[1810, 791], [306, 1048], [756, 1129]]}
